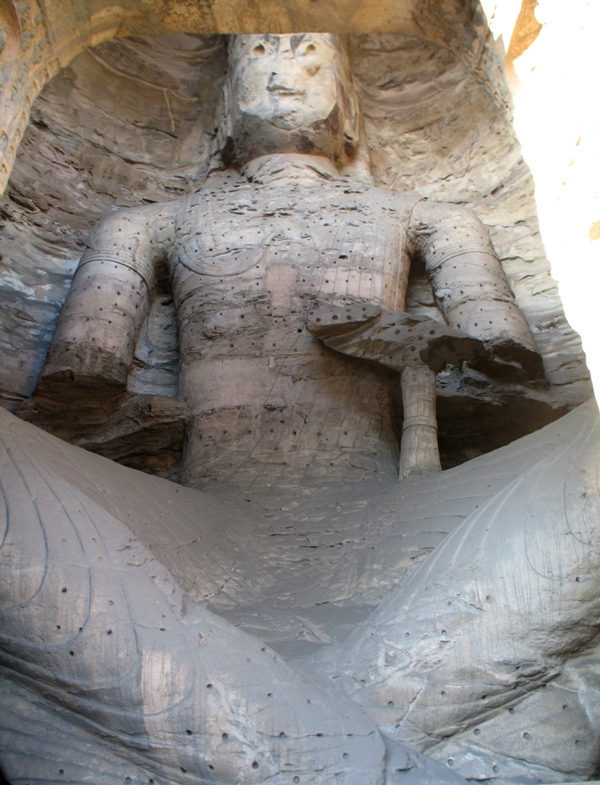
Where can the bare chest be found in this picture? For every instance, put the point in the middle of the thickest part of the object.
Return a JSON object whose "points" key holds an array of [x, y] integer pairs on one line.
{"points": [[329, 240]]}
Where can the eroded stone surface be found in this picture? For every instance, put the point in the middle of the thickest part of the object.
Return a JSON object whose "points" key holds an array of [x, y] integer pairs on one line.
{"points": [[253, 566], [34, 295], [82, 157], [248, 257], [512, 579], [303, 575]]}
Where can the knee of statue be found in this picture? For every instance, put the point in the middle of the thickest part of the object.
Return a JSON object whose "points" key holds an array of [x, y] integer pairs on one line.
{"points": [[107, 671]]}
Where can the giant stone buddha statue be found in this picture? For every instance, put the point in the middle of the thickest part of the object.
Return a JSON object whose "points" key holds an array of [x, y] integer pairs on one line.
{"points": [[257, 254], [121, 657]]}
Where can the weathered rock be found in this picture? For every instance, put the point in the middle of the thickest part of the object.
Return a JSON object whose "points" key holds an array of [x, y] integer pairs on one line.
{"points": [[34, 293], [111, 382], [517, 584], [313, 584], [82, 157], [158, 688]]}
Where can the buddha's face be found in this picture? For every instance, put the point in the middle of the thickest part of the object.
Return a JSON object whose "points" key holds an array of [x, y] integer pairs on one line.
{"points": [[288, 95]]}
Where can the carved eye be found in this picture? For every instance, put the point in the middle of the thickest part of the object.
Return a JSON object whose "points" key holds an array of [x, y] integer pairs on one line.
{"points": [[259, 49], [308, 49]]}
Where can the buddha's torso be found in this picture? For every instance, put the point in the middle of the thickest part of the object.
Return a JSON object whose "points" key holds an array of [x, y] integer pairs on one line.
{"points": [[249, 261]]}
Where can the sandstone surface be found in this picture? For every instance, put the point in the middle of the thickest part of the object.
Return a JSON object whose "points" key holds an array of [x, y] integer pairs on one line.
{"points": [[101, 157], [157, 633]]}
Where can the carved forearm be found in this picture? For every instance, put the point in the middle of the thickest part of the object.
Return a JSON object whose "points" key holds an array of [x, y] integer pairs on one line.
{"points": [[98, 327], [100, 322], [468, 281]]}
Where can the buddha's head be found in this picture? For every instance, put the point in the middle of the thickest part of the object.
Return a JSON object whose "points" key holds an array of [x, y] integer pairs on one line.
{"points": [[289, 94]]}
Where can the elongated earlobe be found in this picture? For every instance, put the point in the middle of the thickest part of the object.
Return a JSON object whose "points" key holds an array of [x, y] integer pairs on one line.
{"points": [[224, 126], [350, 138]]}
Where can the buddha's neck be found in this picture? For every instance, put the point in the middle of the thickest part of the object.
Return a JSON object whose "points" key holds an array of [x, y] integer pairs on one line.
{"points": [[290, 166]]}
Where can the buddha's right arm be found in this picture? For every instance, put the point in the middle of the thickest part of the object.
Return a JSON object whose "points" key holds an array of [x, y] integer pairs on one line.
{"points": [[98, 328]]}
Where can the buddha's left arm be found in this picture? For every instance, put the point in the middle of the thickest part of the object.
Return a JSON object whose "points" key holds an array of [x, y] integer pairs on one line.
{"points": [[469, 284]]}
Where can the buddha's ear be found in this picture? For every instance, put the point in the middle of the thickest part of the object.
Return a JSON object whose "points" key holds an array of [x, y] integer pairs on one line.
{"points": [[351, 137], [225, 125], [352, 116]]}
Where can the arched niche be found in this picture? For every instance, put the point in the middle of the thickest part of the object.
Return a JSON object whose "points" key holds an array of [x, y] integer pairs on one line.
{"points": [[45, 36]]}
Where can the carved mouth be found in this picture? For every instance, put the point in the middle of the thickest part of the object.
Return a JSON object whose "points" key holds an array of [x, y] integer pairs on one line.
{"points": [[285, 90]]}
